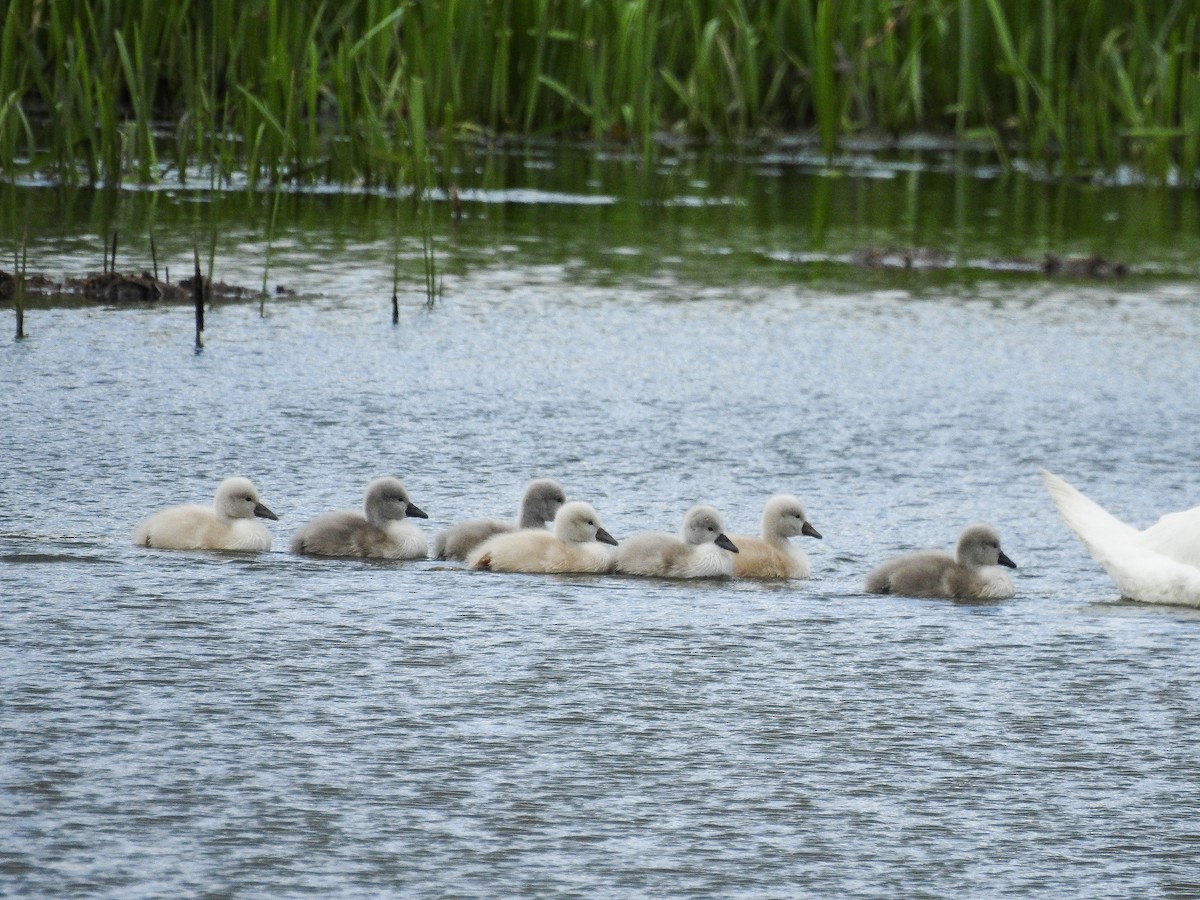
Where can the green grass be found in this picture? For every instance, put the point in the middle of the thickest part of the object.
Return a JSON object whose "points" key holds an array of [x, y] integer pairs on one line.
{"points": [[104, 90]]}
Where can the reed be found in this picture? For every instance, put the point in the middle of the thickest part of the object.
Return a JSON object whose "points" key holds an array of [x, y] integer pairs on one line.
{"points": [[19, 268], [396, 232], [101, 90], [271, 222], [422, 187], [198, 290]]}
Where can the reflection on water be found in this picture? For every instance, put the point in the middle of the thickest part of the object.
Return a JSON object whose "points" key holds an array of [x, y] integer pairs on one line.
{"points": [[180, 722], [692, 214]]}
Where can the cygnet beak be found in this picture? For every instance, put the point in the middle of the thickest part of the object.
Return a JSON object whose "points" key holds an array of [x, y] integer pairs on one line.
{"points": [[1005, 561], [415, 511], [263, 513], [809, 530], [604, 537], [726, 543]]}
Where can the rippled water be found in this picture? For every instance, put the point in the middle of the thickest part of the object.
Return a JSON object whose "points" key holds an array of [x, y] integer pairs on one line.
{"points": [[188, 723]]}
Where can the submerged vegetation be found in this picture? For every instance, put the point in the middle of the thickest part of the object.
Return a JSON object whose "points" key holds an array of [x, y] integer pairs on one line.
{"points": [[100, 90]]}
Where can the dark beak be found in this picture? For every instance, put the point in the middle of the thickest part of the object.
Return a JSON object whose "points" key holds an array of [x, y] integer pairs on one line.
{"points": [[604, 537], [263, 513], [810, 531], [415, 511], [723, 541], [1005, 561]]}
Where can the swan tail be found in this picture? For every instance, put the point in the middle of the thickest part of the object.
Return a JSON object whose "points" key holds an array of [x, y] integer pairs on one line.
{"points": [[1102, 533]]}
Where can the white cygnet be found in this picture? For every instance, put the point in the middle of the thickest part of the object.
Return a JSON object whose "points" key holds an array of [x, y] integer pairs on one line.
{"points": [[383, 533], [229, 524], [773, 555], [541, 502], [578, 545], [1159, 564], [973, 573], [701, 550]]}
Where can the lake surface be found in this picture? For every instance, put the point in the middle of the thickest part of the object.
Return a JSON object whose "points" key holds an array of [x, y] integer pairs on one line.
{"points": [[186, 723]]}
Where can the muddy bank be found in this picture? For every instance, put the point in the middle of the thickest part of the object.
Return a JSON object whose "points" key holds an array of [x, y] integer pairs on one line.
{"points": [[124, 288], [923, 258]]}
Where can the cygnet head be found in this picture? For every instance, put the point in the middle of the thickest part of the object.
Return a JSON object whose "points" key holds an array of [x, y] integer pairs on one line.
{"points": [[703, 525], [237, 499], [784, 516], [979, 545], [387, 500], [543, 499], [578, 523]]}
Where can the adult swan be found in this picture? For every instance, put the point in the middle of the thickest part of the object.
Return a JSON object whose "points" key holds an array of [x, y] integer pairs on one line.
{"points": [[1158, 565]]}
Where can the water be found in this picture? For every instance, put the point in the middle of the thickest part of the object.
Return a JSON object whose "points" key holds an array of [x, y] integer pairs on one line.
{"points": [[205, 723]]}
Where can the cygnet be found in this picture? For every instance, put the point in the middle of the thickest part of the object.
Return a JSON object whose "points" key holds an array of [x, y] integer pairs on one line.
{"points": [[773, 555], [973, 573], [384, 532], [229, 524], [541, 502], [701, 550], [578, 545]]}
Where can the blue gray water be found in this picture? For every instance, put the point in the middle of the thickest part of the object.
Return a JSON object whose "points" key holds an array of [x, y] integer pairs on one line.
{"points": [[186, 723]]}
